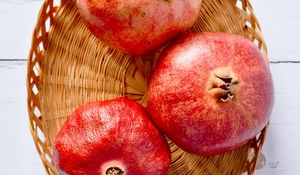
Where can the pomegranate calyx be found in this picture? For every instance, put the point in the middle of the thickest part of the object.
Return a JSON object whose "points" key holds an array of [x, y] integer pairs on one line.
{"points": [[222, 85], [227, 87], [114, 171]]}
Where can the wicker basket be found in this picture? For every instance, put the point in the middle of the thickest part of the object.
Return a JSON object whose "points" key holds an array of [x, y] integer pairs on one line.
{"points": [[67, 66]]}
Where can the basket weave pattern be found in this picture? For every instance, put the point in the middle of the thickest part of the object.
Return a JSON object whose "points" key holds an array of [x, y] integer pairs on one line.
{"points": [[67, 66]]}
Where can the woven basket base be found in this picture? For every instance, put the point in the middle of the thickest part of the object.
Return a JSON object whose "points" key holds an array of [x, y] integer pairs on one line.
{"points": [[76, 68]]}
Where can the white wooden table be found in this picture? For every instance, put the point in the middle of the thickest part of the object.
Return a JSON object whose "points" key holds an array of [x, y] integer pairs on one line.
{"points": [[280, 21]]}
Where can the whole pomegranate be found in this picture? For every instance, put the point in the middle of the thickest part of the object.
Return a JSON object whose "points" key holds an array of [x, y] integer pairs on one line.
{"points": [[111, 138], [211, 92], [140, 26]]}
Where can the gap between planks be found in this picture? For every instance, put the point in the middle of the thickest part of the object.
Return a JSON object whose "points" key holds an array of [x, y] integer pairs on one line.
{"points": [[271, 62]]}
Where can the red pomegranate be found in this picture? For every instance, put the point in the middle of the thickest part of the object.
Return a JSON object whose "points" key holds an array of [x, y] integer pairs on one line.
{"points": [[137, 27], [111, 138], [211, 92]]}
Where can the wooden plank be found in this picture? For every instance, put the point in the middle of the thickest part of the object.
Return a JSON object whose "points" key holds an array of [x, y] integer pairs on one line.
{"points": [[17, 150], [282, 144], [18, 154], [280, 22], [17, 21]]}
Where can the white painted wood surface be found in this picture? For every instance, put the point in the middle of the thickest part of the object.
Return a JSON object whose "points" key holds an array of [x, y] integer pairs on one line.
{"points": [[282, 144], [280, 21], [18, 155], [17, 20]]}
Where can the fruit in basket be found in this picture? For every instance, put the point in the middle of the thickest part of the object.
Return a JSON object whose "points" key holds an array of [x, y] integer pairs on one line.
{"points": [[211, 92], [137, 27], [111, 137]]}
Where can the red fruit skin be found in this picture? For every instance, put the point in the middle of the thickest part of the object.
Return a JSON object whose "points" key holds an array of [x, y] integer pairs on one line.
{"points": [[102, 133], [138, 27], [179, 99]]}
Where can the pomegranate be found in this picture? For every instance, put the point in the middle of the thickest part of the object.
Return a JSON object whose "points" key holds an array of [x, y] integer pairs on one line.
{"points": [[137, 27], [111, 138], [211, 92]]}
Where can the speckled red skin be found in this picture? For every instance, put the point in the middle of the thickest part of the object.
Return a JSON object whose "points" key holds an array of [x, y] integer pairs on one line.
{"points": [[138, 27], [179, 100], [118, 130]]}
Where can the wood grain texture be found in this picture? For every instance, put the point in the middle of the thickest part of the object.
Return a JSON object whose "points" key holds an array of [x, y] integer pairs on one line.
{"points": [[282, 143], [18, 154], [17, 151], [17, 20], [280, 23]]}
